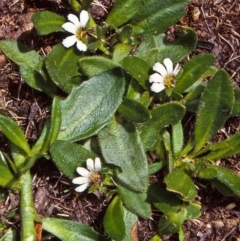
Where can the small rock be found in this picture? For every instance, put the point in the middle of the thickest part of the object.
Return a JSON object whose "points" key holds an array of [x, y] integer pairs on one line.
{"points": [[3, 60]]}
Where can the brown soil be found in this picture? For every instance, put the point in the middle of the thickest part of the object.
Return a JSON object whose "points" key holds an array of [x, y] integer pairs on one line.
{"points": [[218, 29]]}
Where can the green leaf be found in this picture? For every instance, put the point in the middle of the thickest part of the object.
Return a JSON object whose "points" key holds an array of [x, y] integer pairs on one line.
{"points": [[55, 124], [223, 149], [10, 235], [236, 105], [122, 12], [19, 53], [68, 156], [14, 133], [163, 200], [171, 222], [6, 178], [191, 100], [193, 210], [157, 48], [155, 167], [130, 220], [179, 181], [223, 176], [214, 108], [120, 52], [134, 90], [135, 201], [133, 111], [166, 114], [90, 106], [168, 148], [37, 80], [47, 22], [69, 230], [62, 66], [113, 221], [156, 16], [138, 69], [95, 65], [155, 238], [121, 145], [177, 139], [193, 70], [76, 6]]}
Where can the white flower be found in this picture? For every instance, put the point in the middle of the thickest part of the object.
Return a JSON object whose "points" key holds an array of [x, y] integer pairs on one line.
{"points": [[76, 27], [164, 76], [89, 176]]}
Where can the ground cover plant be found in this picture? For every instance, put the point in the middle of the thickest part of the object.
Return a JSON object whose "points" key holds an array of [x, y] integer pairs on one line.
{"points": [[117, 96]]}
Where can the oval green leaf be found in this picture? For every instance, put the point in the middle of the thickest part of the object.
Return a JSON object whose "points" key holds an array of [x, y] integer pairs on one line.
{"points": [[120, 52], [135, 202], [121, 145], [171, 222], [166, 114], [236, 106], [179, 181], [214, 108], [138, 69], [68, 156], [156, 16], [62, 66], [14, 133], [19, 53], [133, 111], [223, 149], [67, 230], [156, 48], [95, 65], [47, 22], [6, 178], [35, 78], [122, 12], [193, 70], [113, 221], [224, 176], [163, 200], [90, 106]]}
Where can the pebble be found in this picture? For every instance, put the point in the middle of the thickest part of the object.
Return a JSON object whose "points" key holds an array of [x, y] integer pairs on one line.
{"points": [[3, 60]]}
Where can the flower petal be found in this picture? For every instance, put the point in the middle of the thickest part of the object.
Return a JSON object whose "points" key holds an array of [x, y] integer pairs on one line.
{"points": [[176, 69], [98, 165], [160, 69], [83, 172], [74, 19], [81, 46], [84, 17], [169, 65], [82, 187], [156, 78], [69, 41], [157, 87], [80, 180], [70, 27], [90, 164]]}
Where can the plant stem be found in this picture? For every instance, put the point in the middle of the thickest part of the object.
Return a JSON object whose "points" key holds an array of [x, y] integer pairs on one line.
{"points": [[27, 209]]}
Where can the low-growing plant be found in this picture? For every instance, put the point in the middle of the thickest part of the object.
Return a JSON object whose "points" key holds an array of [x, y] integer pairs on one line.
{"points": [[124, 99]]}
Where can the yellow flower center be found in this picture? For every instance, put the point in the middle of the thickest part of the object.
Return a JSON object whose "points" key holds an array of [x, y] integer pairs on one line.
{"points": [[95, 178], [80, 34], [169, 81]]}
